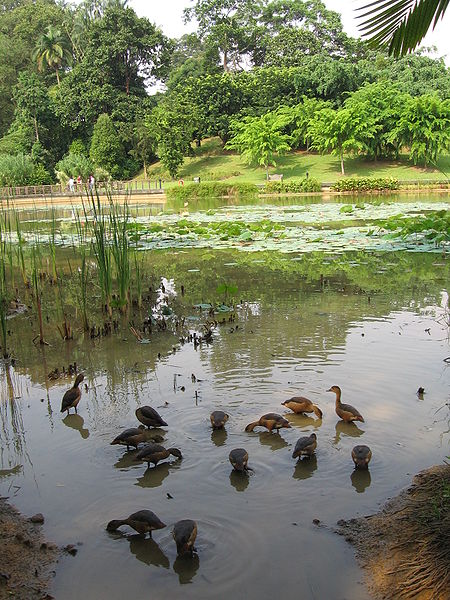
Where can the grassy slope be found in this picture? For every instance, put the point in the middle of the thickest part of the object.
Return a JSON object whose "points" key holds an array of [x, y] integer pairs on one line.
{"points": [[211, 163]]}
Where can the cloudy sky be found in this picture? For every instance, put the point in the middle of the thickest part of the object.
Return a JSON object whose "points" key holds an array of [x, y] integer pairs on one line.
{"points": [[168, 14]]}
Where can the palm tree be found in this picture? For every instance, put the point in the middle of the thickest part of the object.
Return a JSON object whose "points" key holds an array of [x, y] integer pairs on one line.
{"points": [[400, 23], [52, 49]]}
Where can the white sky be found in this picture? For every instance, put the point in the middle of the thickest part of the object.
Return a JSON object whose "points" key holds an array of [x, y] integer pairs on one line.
{"points": [[168, 15]]}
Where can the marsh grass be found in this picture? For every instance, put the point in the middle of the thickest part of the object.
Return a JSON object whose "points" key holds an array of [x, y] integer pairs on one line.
{"points": [[121, 251]]}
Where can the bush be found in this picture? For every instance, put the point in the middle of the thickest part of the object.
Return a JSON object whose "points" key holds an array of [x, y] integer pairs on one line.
{"points": [[307, 184], [74, 164], [16, 170], [213, 189], [365, 184]]}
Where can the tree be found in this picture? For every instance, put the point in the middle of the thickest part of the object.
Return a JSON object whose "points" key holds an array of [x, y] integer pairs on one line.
{"points": [[340, 132], [299, 118], [401, 24], [227, 24], [260, 139], [52, 49], [424, 126], [106, 149]]}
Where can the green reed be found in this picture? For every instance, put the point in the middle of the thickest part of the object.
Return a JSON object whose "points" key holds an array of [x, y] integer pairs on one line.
{"points": [[82, 272], [37, 292], [118, 219], [4, 290]]}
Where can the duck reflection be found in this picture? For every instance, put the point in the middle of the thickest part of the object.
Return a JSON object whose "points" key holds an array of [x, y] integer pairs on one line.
{"points": [[239, 480], [75, 421], [219, 436], [186, 567], [346, 429], [154, 476], [274, 441], [126, 461], [305, 467], [147, 551], [302, 420], [361, 480]]}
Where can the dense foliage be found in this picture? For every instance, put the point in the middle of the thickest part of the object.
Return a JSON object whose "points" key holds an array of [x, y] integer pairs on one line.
{"points": [[365, 184], [265, 76]]}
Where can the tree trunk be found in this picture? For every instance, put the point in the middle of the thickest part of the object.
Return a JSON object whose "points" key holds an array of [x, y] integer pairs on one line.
{"points": [[145, 169], [267, 172], [57, 76], [36, 128], [342, 164]]}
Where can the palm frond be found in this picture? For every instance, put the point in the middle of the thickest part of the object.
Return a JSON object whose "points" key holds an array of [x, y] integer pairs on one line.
{"points": [[400, 24]]}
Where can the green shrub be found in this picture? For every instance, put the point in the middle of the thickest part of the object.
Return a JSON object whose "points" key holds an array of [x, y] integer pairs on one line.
{"points": [[307, 184], [365, 184], [16, 170], [74, 164], [213, 189]]}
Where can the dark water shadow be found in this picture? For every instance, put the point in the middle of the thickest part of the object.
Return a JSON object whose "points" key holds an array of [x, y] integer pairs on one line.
{"points": [[186, 567], [75, 421], [239, 480], [219, 436], [305, 467], [127, 459], [348, 430], [147, 551], [273, 440], [154, 476], [361, 480]]}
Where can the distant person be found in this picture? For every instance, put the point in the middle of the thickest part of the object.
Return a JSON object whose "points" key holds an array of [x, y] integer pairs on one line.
{"points": [[91, 182], [71, 184], [79, 182]]}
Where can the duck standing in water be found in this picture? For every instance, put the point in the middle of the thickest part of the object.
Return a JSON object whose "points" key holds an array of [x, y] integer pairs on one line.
{"points": [[218, 419], [239, 459], [361, 456], [142, 521], [72, 397], [270, 421], [149, 417], [305, 446], [301, 405], [153, 453], [346, 412], [131, 437], [185, 533]]}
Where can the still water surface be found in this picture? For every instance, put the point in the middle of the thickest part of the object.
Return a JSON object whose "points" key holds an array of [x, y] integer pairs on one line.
{"points": [[291, 336]]}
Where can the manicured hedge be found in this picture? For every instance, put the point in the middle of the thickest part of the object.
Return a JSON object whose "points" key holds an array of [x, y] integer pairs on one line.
{"points": [[211, 189], [307, 184], [365, 184]]}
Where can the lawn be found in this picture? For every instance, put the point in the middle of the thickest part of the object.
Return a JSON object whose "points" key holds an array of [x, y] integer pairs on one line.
{"points": [[211, 163]]}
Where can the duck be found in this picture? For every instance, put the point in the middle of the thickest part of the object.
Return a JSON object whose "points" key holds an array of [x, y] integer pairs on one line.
{"points": [[133, 437], [305, 446], [300, 405], [346, 412], [270, 421], [218, 419], [361, 456], [185, 533], [153, 453], [142, 521], [72, 397], [239, 458], [149, 417]]}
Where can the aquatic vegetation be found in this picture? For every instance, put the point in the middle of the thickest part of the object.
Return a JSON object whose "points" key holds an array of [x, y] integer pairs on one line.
{"points": [[433, 226]]}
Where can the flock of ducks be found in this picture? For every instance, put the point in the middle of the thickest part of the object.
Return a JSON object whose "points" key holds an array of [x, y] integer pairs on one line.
{"points": [[185, 531]]}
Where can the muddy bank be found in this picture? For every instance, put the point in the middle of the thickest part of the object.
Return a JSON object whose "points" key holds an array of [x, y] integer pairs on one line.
{"points": [[26, 558], [405, 548]]}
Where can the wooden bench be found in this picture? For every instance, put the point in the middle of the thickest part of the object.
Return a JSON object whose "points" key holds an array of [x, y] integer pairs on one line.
{"points": [[275, 177]]}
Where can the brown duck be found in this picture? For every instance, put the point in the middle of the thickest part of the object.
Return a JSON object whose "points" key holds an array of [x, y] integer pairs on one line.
{"points": [[153, 453], [142, 521], [270, 421], [218, 419], [131, 437], [185, 533], [72, 397], [149, 417], [301, 405], [361, 456], [346, 412], [305, 446], [239, 459]]}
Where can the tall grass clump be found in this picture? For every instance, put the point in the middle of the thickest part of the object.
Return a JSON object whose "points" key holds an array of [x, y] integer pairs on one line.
{"points": [[83, 273], [37, 292], [121, 252], [4, 292]]}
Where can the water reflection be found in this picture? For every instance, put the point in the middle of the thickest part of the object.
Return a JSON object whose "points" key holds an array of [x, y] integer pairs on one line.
{"points": [[239, 480], [14, 471], [219, 436], [305, 467], [75, 421], [127, 460], [346, 429], [147, 551], [154, 476], [273, 440], [303, 420], [186, 567], [361, 480]]}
